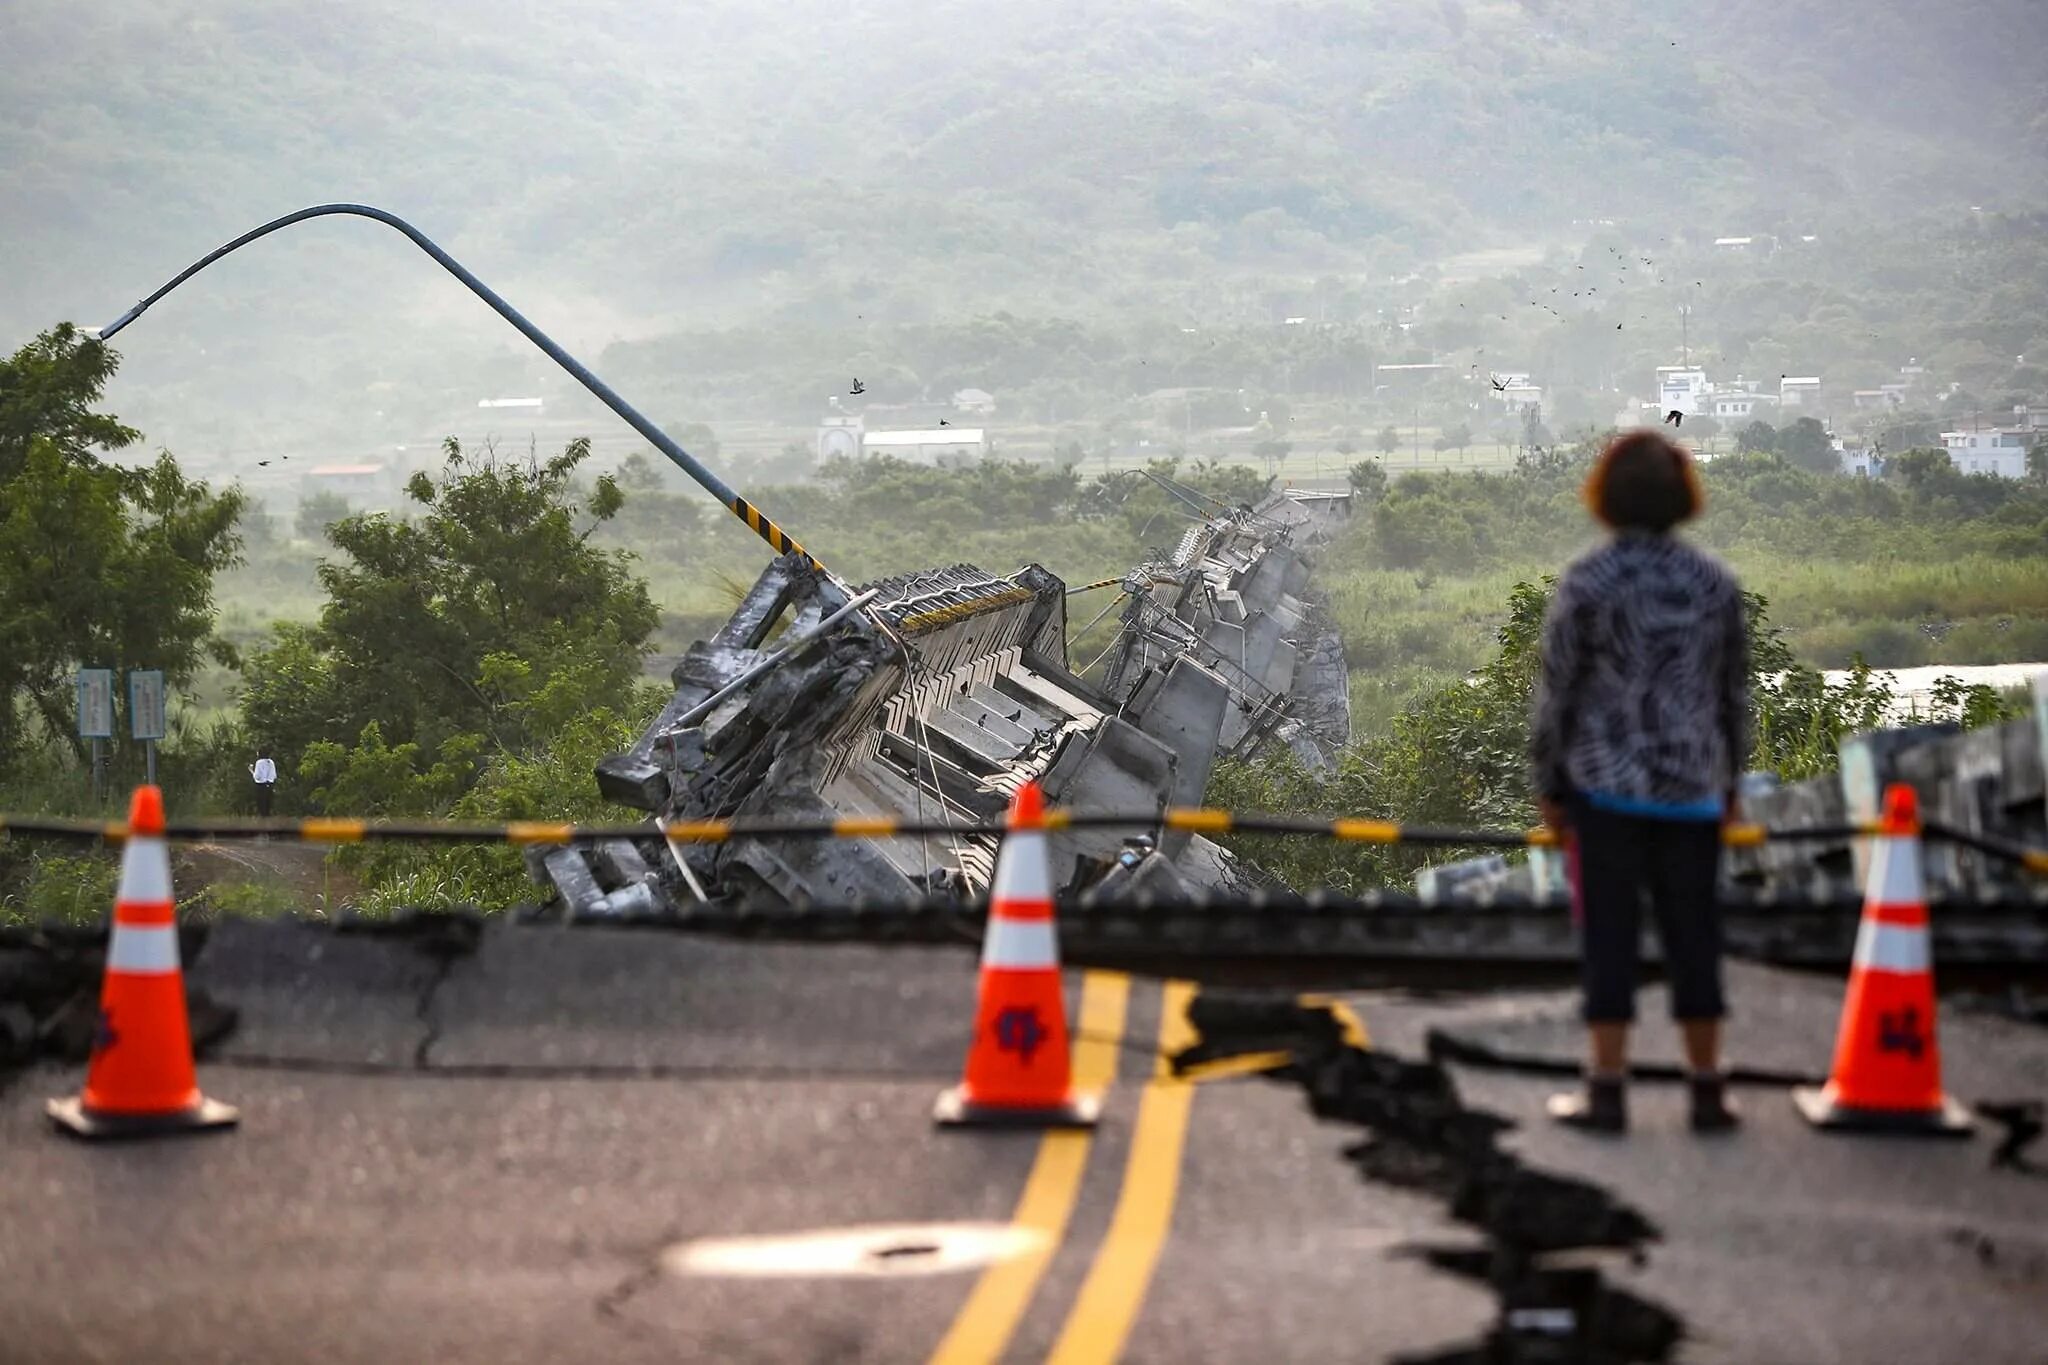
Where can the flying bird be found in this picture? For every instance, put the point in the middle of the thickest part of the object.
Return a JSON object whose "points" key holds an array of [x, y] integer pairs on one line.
{"points": [[858, 387], [263, 464], [944, 423], [1674, 418], [1499, 386]]}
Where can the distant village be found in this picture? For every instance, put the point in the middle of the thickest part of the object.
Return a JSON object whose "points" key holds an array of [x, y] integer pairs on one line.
{"points": [[1997, 448]]}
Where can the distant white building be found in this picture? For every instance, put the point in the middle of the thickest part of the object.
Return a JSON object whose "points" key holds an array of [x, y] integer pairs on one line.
{"points": [[1798, 391], [930, 445], [1999, 451], [532, 407], [839, 433], [978, 401], [1683, 387], [1520, 395], [1861, 461], [1736, 405]]}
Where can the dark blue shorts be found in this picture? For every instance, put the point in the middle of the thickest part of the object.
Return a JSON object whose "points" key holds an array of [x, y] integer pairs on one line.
{"points": [[1619, 864]]}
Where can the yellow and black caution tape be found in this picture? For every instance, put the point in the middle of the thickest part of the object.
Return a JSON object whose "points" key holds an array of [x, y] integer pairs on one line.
{"points": [[1188, 819]]}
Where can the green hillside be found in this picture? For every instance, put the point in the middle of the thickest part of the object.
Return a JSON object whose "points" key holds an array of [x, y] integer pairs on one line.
{"points": [[628, 170]]}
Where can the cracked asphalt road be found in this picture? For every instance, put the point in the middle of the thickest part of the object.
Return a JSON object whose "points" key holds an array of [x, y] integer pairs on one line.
{"points": [[484, 1160]]}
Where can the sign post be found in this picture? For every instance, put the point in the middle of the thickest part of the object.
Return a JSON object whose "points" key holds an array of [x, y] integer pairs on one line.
{"points": [[146, 712], [96, 719]]}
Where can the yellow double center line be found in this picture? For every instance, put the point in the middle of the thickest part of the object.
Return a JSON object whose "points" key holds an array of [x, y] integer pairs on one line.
{"points": [[990, 1316], [1107, 1306], [1110, 1297]]}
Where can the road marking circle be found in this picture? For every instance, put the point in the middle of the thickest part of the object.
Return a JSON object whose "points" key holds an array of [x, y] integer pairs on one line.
{"points": [[877, 1250]]}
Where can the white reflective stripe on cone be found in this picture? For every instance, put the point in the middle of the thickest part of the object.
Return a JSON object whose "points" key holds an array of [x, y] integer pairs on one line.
{"points": [[145, 870], [1896, 877], [1023, 872], [1891, 947], [150, 950], [1020, 943]]}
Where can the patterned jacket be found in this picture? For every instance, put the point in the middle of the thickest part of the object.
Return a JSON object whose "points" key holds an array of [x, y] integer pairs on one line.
{"points": [[1644, 691]]}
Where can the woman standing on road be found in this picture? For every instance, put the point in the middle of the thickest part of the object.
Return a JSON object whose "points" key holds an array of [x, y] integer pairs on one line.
{"points": [[1640, 729]]}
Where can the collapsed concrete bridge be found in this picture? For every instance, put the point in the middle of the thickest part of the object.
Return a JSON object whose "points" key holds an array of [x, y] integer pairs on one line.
{"points": [[943, 691]]}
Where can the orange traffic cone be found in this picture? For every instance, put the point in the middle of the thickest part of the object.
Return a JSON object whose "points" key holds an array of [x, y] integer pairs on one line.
{"points": [[1019, 1067], [1887, 1072], [140, 1080]]}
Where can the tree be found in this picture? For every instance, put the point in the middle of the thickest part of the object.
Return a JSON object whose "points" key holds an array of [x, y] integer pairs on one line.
{"points": [[1806, 444], [1368, 479], [317, 512], [1389, 440], [1344, 441], [697, 438], [1906, 431], [2037, 460], [1919, 469], [637, 474], [485, 623], [1759, 436], [47, 392], [100, 566]]}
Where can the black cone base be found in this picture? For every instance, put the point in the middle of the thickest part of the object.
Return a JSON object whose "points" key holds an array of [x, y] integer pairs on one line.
{"points": [[1823, 1110], [955, 1110], [73, 1117]]}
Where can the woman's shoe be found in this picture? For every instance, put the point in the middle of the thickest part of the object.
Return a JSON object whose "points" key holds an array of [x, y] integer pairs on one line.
{"points": [[1602, 1107], [1712, 1112]]}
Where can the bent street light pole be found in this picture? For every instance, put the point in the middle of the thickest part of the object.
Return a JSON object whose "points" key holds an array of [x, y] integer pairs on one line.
{"points": [[688, 463]]}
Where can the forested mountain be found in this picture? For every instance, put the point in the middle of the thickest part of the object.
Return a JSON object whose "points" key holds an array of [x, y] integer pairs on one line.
{"points": [[625, 169]]}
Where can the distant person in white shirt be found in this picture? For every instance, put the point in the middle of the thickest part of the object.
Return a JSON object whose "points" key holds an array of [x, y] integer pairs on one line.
{"points": [[265, 773]]}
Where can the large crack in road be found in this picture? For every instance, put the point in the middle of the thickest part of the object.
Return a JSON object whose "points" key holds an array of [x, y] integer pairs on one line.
{"points": [[1543, 1232]]}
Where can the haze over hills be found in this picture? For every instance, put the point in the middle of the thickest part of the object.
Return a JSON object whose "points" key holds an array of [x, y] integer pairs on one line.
{"points": [[623, 171]]}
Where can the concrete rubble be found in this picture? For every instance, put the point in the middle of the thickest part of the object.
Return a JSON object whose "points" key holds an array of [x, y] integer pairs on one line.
{"points": [[1987, 783], [945, 693]]}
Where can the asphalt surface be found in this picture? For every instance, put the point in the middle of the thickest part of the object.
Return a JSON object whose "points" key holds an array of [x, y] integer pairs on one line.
{"points": [[495, 1157]]}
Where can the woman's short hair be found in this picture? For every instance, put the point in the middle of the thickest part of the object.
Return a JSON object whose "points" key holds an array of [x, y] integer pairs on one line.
{"points": [[1643, 481]]}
